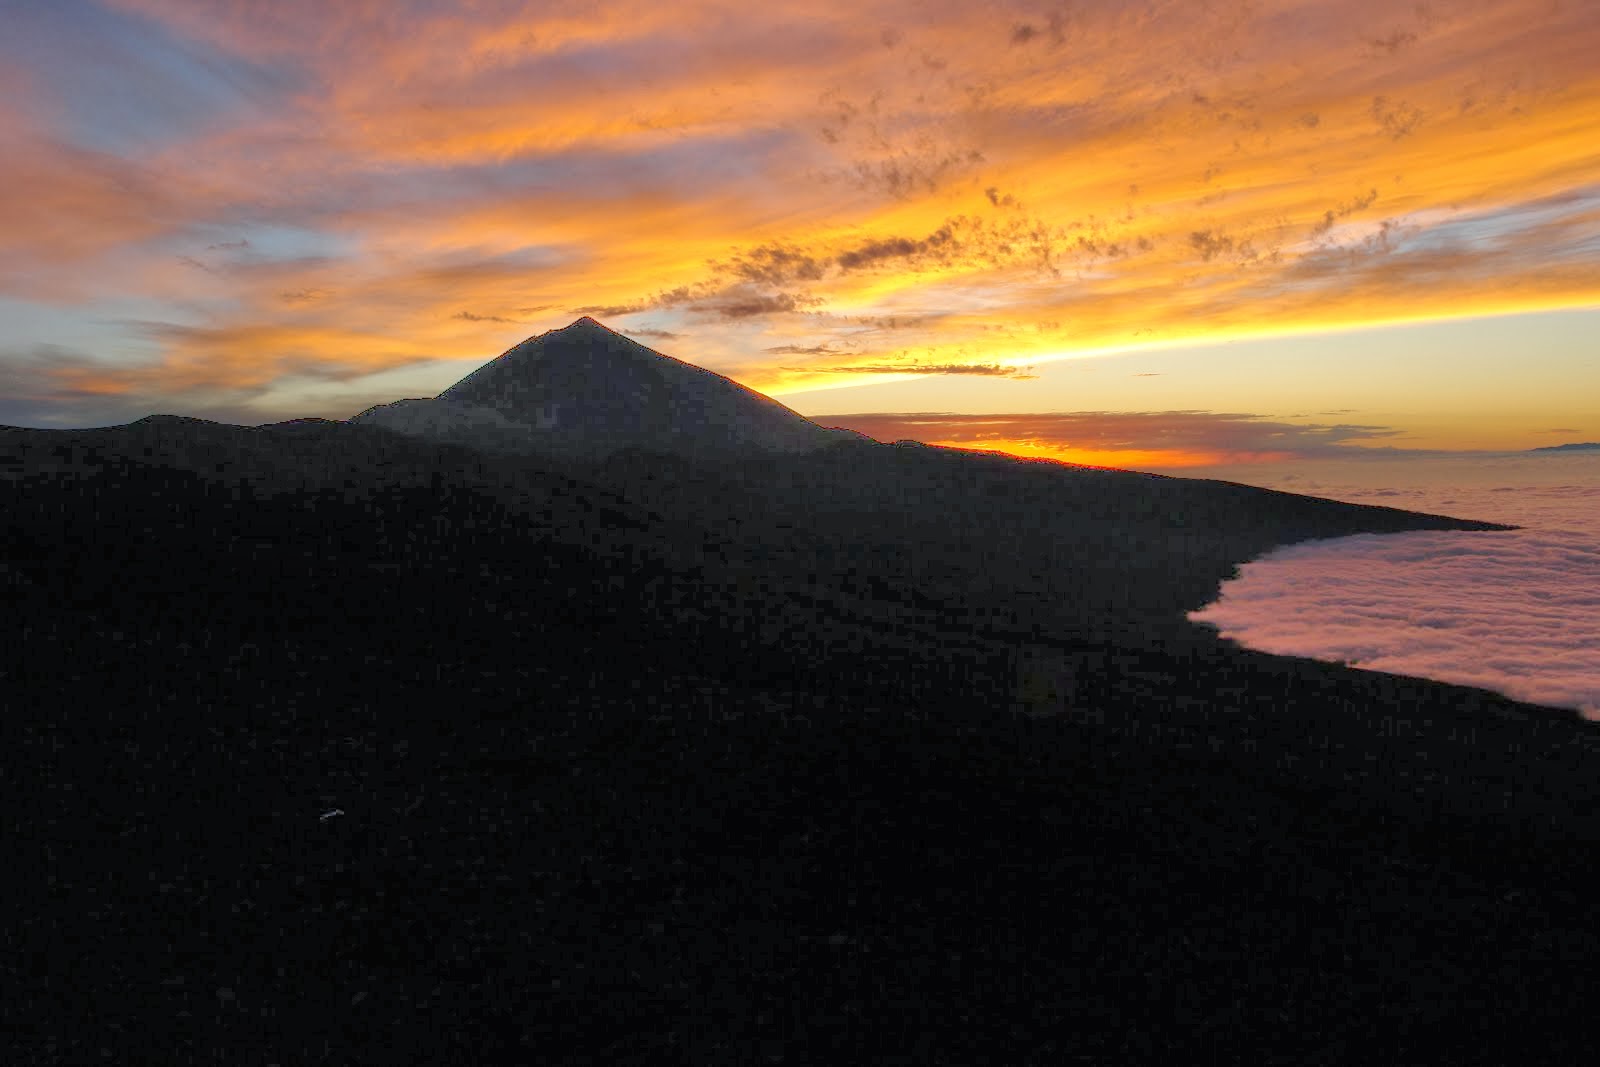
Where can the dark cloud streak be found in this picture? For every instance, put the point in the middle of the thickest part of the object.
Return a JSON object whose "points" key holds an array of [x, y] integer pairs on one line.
{"points": [[874, 252], [993, 370], [470, 317]]}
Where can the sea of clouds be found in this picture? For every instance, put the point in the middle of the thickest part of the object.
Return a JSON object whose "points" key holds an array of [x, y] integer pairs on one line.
{"points": [[1517, 612]]}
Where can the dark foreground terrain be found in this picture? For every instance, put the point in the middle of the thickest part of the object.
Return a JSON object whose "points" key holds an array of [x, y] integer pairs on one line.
{"points": [[875, 755]]}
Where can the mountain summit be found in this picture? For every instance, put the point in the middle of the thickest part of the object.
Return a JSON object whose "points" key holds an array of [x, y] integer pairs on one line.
{"points": [[588, 391]]}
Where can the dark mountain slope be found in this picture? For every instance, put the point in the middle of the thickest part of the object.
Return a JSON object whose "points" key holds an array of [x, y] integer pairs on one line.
{"points": [[585, 391], [619, 787], [1030, 548]]}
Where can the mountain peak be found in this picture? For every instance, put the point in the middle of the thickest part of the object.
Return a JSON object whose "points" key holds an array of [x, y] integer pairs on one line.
{"points": [[590, 390]]}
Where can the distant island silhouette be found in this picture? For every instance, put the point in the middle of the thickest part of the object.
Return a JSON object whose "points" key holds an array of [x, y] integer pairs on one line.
{"points": [[602, 710], [1582, 446]]}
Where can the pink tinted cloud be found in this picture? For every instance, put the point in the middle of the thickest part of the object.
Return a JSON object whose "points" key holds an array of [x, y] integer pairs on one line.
{"points": [[66, 208], [1516, 612]]}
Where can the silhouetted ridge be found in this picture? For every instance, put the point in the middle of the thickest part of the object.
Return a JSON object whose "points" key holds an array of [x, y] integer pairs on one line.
{"points": [[1576, 446]]}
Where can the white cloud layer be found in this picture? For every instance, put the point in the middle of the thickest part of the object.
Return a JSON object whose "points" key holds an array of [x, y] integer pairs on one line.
{"points": [[1515, 612]]}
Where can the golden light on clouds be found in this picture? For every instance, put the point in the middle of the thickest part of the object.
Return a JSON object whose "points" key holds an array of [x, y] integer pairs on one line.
{"points": [[1124, 440], [1114, 459], [806, 196]]}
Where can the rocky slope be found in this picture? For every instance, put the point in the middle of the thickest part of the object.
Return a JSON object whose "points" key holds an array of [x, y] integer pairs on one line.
{"points": [[585, 391]]}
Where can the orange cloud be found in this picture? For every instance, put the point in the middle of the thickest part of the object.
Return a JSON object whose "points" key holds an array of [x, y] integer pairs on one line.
{"points": [[240, 358], [1133, 459], [67, 210], [1127, 440], [825, 194]]}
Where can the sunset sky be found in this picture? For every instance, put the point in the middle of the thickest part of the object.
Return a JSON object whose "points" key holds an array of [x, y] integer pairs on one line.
{"points": [[1142, 234]]}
